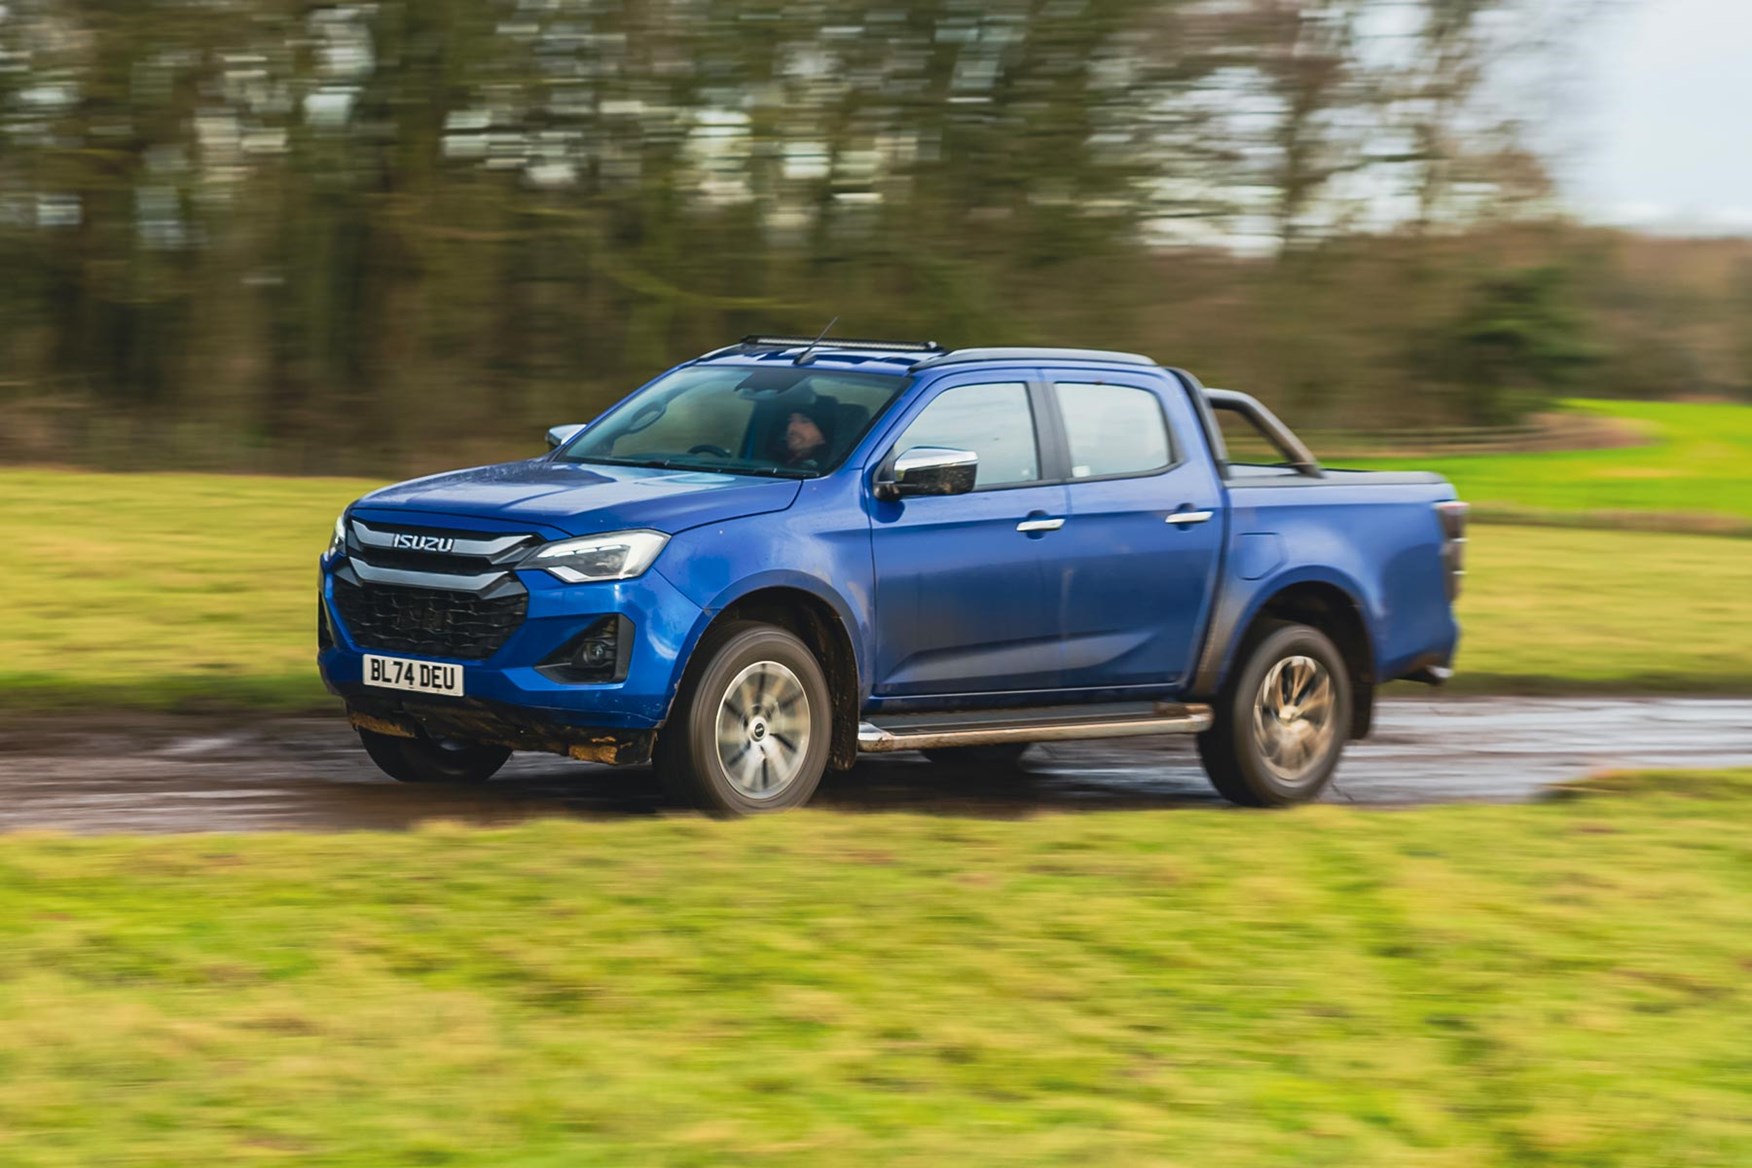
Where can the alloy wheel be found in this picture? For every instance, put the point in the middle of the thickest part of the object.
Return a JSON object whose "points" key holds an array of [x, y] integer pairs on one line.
{"points": [[763, 730], [1293, 718]]}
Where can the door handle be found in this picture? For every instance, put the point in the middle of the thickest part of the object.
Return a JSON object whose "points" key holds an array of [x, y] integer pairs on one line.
{"points": [[1190, 517], [1040, 525]]}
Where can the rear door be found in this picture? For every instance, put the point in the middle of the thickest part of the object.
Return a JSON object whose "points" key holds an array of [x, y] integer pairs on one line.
{"points": [[962, 602], [1133, 570]]}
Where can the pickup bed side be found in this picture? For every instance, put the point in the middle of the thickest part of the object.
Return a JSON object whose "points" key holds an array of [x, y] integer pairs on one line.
{"points": [[1359, 554]]}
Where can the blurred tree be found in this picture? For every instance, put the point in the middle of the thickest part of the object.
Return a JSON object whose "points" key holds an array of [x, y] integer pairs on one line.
{"points": [[1741, 308], [328, 235], [1516, 345]]}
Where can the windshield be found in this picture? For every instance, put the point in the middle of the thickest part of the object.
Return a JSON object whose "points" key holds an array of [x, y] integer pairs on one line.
{"points": [[794, 422]]}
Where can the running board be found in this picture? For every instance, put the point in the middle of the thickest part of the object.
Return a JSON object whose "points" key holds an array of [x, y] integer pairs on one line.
{"points": [[1059, 724]]}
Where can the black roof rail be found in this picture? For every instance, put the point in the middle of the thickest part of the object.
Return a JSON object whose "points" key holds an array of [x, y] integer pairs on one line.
{"points": [[823, 346], [856, 344], [1029, 353]]}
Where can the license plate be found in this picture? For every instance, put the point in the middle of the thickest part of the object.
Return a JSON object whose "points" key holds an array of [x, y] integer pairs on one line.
{"points": [[431, 677]]}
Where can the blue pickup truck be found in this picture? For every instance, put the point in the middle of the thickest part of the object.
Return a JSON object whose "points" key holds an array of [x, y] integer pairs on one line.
{"points": [[788, 552]]}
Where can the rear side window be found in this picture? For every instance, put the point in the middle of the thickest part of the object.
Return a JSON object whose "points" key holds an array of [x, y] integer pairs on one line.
{"points": [[1113, 429], [994, 421]]}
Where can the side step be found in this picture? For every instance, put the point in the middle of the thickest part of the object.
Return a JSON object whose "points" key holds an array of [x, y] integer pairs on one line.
{"points": [[1054, 724]]}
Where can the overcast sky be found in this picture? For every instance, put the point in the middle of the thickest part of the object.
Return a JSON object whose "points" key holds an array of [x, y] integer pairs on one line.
{"points": [[1666, 134]]}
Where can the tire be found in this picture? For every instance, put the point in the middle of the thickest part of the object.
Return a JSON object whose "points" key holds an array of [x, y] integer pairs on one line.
{"points": [[427, 760], [996, 755], [752, 724], [1274, 741]]}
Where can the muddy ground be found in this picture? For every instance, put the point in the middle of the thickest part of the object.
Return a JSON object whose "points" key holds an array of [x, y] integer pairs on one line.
{"points": [[138, 773]]}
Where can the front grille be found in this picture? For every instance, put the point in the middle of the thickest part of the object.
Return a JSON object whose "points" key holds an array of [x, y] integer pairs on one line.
{"points": [[428, 621], [422, 561]]}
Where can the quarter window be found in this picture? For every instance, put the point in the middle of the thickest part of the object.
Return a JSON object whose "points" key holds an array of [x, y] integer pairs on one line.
{"points": [[994, 421], [1113, 429]]}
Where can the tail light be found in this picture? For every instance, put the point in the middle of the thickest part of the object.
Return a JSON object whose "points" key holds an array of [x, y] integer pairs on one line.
{"points": [[1453, 516]]}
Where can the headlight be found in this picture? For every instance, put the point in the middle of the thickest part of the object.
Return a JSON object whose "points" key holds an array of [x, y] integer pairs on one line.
{"points": [[338, 541], [620, 555]]}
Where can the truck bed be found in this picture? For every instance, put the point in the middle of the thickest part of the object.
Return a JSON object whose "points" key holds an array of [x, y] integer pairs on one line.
{"points": [[1243, 474]]}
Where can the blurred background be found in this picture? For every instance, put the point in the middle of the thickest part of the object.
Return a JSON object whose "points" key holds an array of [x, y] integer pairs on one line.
{"points": [[384, 237], [279, 252]]}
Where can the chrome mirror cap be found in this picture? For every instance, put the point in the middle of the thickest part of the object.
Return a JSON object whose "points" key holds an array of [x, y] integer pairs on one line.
{"points": [[558, 436], [930, 470]]}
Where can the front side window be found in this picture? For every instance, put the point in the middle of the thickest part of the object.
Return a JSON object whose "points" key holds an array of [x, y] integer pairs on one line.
{"points": [[994, 421], [740, 419], [1113, 429]]}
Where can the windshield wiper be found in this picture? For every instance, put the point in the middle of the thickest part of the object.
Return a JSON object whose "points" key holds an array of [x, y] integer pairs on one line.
{"points": [[654, 463], [781, 472], [784, 472]]}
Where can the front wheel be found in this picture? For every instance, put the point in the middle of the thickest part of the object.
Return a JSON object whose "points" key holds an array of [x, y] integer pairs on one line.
{"points": [[433, 760], [1281, 721], [751, 725]]}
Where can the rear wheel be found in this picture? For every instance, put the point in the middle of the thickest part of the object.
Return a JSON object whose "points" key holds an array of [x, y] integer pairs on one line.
{"points": [[751, 726], [994, 756], [1281, 721], [433, 760]]}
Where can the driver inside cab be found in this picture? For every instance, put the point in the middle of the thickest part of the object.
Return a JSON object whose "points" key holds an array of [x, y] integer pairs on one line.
{"points": [[808, 435]]}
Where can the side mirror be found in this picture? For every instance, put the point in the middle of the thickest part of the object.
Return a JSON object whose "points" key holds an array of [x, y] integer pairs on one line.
{"points": [[558, 436], [930, 470]]}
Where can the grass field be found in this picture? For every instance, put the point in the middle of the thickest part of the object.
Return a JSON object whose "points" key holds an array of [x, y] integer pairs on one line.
{"points": [[164, 591], [1557, 984], [1698, 463], [1556, 609]]}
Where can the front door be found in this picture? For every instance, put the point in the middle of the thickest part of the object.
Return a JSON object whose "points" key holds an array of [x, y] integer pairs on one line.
{"points": [[1133, 582], [961, 596]]}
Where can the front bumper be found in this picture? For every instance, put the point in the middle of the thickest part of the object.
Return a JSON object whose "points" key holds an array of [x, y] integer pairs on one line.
{"points": [[472, 720], [507, 698]]}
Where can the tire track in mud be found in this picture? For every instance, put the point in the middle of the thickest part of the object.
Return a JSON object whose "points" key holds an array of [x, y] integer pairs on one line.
{"points": [[140, 773]]}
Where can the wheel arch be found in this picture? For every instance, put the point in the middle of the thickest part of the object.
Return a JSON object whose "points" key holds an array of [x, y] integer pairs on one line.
{"points": [[1320, 602], [817, 619]]}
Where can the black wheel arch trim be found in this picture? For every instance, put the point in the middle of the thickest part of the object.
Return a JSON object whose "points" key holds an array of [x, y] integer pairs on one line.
{"points": [[821, 620], [1232, 620]]}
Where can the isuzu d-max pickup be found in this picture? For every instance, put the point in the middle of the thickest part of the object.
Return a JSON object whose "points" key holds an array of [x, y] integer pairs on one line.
{"points": [[787, 552]]}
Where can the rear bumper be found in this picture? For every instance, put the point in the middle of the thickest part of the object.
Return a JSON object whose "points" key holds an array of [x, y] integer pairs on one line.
{"points": [[1429, 675], [1433, 666], [508, 699]]}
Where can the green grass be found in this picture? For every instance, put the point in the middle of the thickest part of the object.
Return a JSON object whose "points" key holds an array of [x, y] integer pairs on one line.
{"points": [[1557, 609], [162, 591], [184, 591], [1557, 984], [1698, 463]]}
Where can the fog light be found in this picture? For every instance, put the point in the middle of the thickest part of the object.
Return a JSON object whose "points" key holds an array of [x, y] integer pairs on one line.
{"points": [[597, 655]]}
